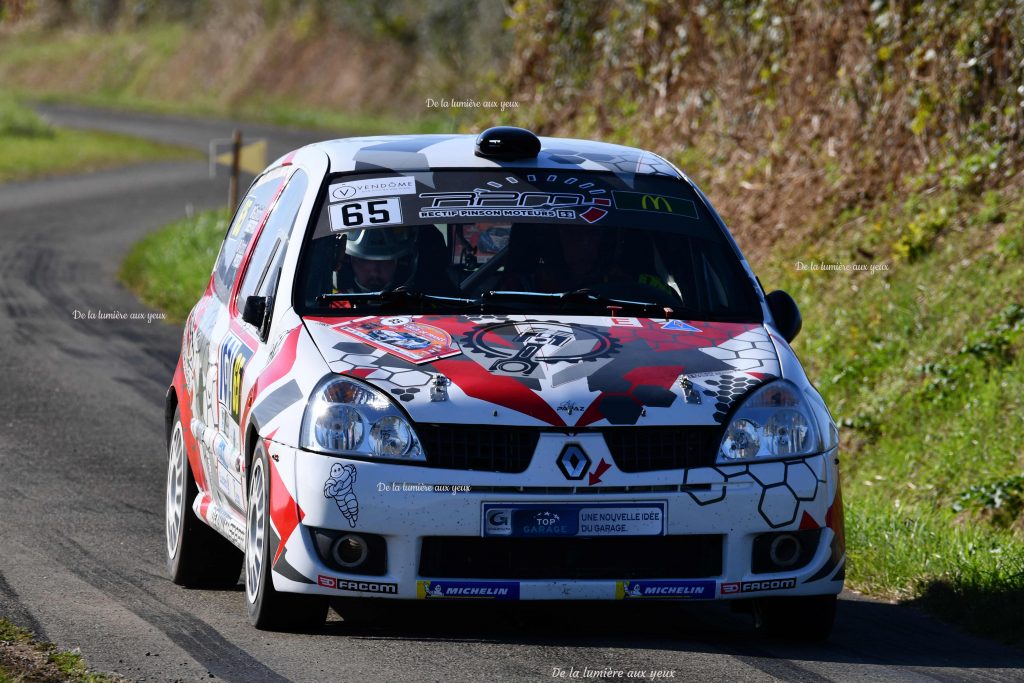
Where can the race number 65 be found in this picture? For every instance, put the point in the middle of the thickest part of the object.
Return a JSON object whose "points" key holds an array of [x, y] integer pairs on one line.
{"points": [[370, 212]]}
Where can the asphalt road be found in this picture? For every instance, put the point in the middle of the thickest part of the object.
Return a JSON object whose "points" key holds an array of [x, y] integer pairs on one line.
{"points": [[82, 468]]}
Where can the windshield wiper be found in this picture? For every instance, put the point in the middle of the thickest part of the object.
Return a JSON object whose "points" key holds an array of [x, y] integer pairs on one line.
{"points": [[394, 296], [616, 307], [588, 298]]}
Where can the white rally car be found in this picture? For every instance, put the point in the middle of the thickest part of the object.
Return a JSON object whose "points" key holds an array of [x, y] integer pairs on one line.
{"points": [[377, 398]]}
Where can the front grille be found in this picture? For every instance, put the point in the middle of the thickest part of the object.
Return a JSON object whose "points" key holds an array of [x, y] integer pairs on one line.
{"points": [[629, 557], [476, 447], [643, 449]]}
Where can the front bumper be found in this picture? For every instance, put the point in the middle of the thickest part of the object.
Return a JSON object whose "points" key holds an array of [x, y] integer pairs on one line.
{"points": [[411, 508]]}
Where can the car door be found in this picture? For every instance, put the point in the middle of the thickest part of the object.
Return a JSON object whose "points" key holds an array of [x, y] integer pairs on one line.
{"points": [[221, 351], [243, 347]]}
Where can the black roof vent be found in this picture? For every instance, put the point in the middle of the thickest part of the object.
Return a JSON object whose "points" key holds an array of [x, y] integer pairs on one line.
{"points": [[507, 142]]}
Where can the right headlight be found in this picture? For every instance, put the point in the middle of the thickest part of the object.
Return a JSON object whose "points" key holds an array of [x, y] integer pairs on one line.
{"points": [[774, 421], [345, 417]]}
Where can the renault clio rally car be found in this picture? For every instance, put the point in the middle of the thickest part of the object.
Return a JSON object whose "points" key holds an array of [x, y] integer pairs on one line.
{"points": [[604, 408]]}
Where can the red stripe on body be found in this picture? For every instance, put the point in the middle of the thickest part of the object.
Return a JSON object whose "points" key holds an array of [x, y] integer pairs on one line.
{"points": [[275, 370], [475, 381], [808, 522], [834, 518], [284, 511]]}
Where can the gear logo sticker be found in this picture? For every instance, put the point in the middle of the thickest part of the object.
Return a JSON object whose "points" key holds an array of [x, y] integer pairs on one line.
{"points": [[339, 487], [523, 349]]}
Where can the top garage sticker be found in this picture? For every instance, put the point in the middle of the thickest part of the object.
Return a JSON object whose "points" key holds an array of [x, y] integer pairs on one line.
{"points": [[374, 187]]}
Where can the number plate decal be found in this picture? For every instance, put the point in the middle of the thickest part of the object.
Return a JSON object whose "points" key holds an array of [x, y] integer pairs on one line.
{"points": [[574, 519], [366, 213]]}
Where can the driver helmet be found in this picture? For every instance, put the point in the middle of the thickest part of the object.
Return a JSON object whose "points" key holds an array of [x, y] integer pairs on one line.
{"points": [[380, 244], [385, 244]]}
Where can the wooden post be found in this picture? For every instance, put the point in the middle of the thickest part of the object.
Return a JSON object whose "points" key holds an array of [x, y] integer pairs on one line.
{"points": [[236, 152]]}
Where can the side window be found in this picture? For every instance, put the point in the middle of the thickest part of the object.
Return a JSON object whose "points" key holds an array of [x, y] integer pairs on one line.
{"points": [[264, 267], [250, 215]]}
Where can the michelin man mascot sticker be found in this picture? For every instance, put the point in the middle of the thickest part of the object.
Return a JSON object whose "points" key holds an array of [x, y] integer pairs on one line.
{"points": [[339, 487]]}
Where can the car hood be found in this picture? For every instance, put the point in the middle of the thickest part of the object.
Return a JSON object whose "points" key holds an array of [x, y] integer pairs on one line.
{"points": [[566, 372]]}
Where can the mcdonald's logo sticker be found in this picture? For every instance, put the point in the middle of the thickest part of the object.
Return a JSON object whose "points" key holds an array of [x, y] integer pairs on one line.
{"points": [[657, 203]]}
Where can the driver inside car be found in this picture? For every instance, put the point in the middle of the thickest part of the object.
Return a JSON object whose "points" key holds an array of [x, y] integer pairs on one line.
{"points": [[376, 259], [583, 257]]}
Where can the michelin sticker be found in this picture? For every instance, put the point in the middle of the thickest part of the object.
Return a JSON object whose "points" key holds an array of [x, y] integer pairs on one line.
{"points": [[665, 590], [468, 590], [339, 487], [374, 187]]}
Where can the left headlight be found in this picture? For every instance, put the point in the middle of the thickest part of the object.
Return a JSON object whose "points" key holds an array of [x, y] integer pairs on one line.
{"points": [[345, 417], [775, 421]]}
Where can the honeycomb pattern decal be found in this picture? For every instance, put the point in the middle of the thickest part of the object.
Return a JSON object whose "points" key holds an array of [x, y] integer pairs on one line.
{"points": [[751, 352], [784, 485], [360, 360], [726, 390], [405, 394]]}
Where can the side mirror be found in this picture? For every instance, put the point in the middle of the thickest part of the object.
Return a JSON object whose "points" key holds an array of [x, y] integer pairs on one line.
{"points": [[786, 314], [255, 312]]}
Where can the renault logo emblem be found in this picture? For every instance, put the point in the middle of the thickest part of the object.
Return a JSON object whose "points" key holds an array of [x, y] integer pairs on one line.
{"points": [[573, 461]]}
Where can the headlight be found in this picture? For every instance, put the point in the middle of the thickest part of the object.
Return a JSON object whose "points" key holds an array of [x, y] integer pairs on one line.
{"points": [[773, 422], [345, 417]]}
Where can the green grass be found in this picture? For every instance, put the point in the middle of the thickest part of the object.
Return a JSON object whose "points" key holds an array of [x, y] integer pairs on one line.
{"points": [[118, 70], [922, 366], [37, 661], [270, 112], [170, 268], [33, 149]]}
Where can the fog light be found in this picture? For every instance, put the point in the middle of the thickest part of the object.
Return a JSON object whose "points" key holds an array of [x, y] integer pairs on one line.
{"points": [[784, 550], [344, 551], [349, 551], [779, 551]]}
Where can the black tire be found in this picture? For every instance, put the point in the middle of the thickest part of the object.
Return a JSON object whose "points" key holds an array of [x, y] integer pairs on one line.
{"points": [[806, 618], [268, 609], [197, 555]]}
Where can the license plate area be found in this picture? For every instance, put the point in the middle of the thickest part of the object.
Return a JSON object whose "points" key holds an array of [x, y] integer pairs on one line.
{"points": [[571, 520]]}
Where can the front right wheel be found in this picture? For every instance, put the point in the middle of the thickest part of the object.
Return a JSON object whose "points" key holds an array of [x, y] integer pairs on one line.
{"points": [[269, 609]]}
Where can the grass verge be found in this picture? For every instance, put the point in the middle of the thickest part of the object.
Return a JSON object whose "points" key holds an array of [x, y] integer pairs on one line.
{"points": [[168, 269], [118, 70], [921, 363], [25, 660], [34, 149]]}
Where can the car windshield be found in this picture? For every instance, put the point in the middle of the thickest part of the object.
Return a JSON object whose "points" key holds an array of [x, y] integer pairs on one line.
{"points": [[520, 241]]}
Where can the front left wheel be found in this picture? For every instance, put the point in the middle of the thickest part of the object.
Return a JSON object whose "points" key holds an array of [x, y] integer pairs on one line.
{"points": [[197, 556], [269, 609]]}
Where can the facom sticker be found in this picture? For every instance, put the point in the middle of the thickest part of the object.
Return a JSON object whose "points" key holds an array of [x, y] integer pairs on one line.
{"points": [[374, 187], [757, 586], [356, 586], [369, 212]]}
